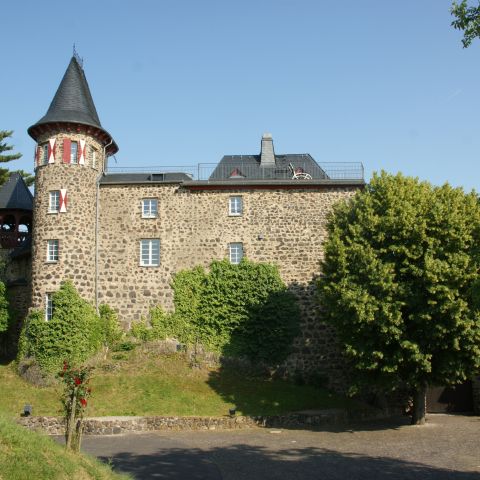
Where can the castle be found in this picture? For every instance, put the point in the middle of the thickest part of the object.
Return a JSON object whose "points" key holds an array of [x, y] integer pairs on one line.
{"points": [[121, 236]]}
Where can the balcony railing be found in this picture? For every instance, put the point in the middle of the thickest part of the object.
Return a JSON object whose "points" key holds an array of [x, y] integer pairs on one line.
{"points": [[237, 171]]}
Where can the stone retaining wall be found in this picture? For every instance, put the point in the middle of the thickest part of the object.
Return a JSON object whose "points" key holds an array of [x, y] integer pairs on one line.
{"points": [[122, 425]]}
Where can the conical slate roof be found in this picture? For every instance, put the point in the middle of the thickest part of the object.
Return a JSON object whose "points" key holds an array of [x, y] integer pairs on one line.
{"points": [[14, 194], [73, 103]]}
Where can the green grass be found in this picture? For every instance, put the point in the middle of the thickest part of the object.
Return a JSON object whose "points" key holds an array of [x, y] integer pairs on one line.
{"points": [[143, 383], [26, 455]]}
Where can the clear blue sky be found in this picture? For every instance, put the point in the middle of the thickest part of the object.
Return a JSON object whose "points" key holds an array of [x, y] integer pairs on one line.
{"points": [[181, 82]]}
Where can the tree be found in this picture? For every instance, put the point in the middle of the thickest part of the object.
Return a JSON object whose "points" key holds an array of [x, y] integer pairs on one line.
{"points": [[4, 147], [467, 19], [399, 283]]}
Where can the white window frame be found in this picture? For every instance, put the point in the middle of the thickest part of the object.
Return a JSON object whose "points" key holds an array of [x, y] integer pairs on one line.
{"points": [[149, 252], [74, 152], [94, 157], [45, 154], [235, 206], [235, 252], [147, 210], [48, 307], [52, 250], [54, 201]]}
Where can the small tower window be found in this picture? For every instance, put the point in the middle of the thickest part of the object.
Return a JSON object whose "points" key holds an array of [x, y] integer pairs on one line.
{"points": [[45, 154], [94, 157], [74, 152], [48, 307], [54, 201], [52, 250]]}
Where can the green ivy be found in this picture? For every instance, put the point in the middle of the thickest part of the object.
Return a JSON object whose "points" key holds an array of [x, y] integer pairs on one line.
{"points": [[74, 333], [242, 309]]}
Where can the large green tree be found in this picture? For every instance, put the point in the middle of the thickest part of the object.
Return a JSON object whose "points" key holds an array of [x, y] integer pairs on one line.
{"points": [[8, 157], [399, 279], [467, 19]]}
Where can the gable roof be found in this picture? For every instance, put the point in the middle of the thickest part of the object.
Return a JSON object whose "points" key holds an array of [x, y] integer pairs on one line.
{"points": [[14, 194], [73, 103], [237, 167]]}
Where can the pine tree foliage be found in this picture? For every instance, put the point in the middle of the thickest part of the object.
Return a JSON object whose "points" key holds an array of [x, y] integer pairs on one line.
{"points": [[400, 282], [8, 157]]}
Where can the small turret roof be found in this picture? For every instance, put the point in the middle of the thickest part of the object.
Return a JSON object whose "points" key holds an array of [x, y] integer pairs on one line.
{"points": [[73, 103], [14, 194]]}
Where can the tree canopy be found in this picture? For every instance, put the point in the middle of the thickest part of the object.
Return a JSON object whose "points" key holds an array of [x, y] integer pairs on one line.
{"points": [[400, 284], [467, 19], [8, 157]]}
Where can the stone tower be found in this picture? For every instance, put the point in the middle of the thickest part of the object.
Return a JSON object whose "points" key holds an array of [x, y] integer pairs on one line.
{"points": [[70, 157]]}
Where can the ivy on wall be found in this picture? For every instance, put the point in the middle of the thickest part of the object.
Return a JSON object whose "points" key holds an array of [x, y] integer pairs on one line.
{"points": [[242, 309], [74, 333]]}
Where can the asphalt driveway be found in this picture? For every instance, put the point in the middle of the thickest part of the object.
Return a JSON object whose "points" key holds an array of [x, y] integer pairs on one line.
{"points": [[448, 447]]}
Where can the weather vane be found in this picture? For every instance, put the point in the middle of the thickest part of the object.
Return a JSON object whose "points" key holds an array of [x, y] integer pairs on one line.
{"points": [[77, 56]]}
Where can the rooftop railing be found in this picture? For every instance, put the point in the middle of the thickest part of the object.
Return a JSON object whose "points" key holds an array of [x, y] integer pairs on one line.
{"points": [[249, 171]]}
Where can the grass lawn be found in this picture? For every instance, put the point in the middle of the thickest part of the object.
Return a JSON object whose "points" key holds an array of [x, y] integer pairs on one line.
{"points": [[143, 383], [25, 454]]}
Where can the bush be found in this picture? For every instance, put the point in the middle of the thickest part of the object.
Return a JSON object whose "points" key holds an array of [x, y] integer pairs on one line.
{"points": [[242, 310], [74, 333], [112, 333]]}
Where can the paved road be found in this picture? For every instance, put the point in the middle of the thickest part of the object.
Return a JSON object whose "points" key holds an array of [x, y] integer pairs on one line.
{"points": [[448, 447]]}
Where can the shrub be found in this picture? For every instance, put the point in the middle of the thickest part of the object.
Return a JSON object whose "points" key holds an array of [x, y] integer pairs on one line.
{"points": [[242, 310], [110, 327], [74, 332]]}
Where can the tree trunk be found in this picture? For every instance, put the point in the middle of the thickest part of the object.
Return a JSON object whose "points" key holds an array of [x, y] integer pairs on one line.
{"points": [[71, 420], [419, 405]]}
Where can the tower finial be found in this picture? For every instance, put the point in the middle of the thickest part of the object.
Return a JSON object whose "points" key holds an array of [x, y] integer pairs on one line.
{"points": [[77, 56]]}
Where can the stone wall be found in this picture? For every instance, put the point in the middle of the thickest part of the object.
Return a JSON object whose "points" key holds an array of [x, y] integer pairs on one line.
{"points": [[285, 227], [75, 228], [122, 425]]}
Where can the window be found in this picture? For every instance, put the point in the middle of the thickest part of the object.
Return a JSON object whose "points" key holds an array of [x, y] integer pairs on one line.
{"points": [[48, 307], [52, 250], [150, 253], [45, 154], [94, 158], [74, 152], [235, 206], [149, 208], [54, 201], [235, 252]]}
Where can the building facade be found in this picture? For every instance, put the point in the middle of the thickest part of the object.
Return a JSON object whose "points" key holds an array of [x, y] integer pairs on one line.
{"points": [[121, 237]]}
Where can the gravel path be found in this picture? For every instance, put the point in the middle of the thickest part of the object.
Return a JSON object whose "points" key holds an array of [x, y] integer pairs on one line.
{"points": [[447, 447]]}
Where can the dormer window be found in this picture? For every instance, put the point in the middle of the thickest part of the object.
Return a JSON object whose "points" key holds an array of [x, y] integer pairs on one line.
{"points": [[74, 152]]}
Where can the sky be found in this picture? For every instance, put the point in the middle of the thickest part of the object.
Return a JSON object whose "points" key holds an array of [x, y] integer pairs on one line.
{"points": [[181, 82]]}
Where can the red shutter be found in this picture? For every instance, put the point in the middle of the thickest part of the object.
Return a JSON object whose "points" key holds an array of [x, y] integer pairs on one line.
{"points": [[51, 150], [66, 150], [81, 152], [63, 200]]}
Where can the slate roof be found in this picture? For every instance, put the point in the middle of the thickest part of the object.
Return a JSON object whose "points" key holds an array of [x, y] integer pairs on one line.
{"points": [[73, 103], [14, 194], [247, 167], [168, 177]]}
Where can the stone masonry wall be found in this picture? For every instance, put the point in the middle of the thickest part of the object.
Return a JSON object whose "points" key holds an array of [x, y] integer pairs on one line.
{"points": [[285, 227], [75, 228]]}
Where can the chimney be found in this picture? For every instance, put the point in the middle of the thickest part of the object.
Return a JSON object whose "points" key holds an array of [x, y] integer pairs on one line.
{"points": [[267, 155]]}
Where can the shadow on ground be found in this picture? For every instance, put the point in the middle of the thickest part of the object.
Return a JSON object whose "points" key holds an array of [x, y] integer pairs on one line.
{"points": [[250, 462]]}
